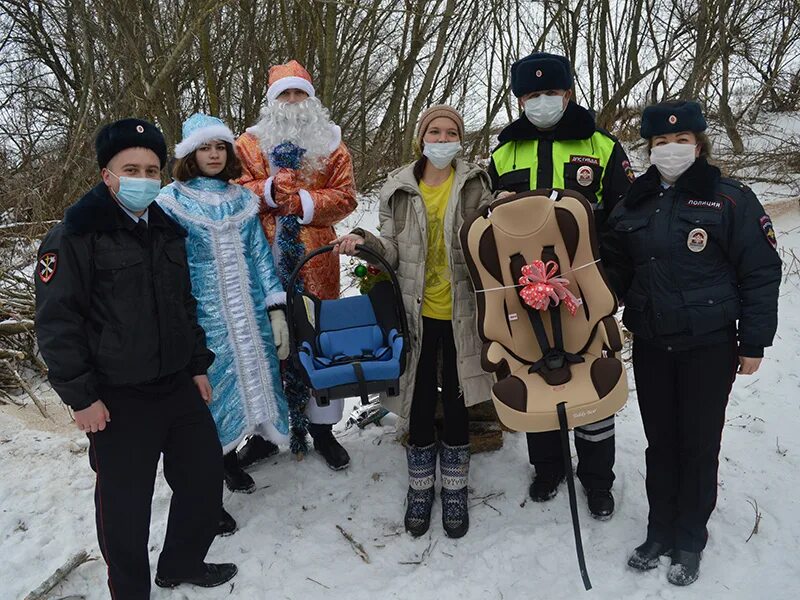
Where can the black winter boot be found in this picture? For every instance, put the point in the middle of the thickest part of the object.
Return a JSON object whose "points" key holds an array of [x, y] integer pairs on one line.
{"points": [[419, 499], [326, 444], [255, 449], [235, 477], [212, 575], [685, 567], [227, 524], [454, 465], [601, 503], [648, 555], [544, 487]]}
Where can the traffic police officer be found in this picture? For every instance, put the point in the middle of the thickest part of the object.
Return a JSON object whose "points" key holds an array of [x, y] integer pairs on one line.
{"points": [[690, 252], [556, 144], [116, 324]]}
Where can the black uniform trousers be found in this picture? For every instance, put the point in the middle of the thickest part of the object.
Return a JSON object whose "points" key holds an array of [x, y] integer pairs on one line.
{"points": [[682, 398], [594, 445], [437, 333], [167, 417]]}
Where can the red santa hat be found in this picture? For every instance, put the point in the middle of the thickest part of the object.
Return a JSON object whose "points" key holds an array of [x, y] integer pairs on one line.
{"points": [[290, 76]]}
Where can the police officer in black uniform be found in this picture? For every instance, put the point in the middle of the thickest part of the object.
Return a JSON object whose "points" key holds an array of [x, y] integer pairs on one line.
{"points": [[690, 253], [117, 327], [556, 144]]}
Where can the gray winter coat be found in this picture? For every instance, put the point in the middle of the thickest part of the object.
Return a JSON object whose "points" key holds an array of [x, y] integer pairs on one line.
{"points": [[403, 242]]}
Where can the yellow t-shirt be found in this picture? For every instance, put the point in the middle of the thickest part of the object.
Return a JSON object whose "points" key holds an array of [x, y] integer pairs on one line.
{"points": [[437, 302]]}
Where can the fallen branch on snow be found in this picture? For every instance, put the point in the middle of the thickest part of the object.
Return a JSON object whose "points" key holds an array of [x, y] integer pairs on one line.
{"points": [[24, 385], [42, 592], [754, 504], [357, 548], [485, 500], [425, 554], [10, 398], [318, 583]]}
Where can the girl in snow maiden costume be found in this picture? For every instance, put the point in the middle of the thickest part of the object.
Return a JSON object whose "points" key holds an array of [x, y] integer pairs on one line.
{"points": [[422, 208], [693, 255], [240, 301]]}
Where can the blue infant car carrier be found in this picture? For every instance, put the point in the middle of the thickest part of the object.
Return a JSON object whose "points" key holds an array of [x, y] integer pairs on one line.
{"points": [[352, 346]]}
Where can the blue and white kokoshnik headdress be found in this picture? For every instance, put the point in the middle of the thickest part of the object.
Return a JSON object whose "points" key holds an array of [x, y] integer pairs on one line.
{"points": [[200, 129]]}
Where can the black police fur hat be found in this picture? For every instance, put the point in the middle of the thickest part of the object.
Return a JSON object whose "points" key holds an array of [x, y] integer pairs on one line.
{"points": [[540, 71], [672, 117], [129, 133]]}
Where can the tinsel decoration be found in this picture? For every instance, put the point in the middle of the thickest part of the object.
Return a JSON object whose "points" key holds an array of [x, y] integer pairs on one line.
{"points": [[287, 155], [291, 251]]}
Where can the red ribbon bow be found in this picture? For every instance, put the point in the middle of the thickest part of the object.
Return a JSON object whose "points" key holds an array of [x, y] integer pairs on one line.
{"points": [[543, 289]]}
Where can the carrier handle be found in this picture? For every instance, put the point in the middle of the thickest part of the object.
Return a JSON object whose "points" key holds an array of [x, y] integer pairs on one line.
{"points": [[290, 293]]}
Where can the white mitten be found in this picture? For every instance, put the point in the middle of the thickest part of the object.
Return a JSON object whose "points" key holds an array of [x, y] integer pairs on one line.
{"points": [[280, 333]]}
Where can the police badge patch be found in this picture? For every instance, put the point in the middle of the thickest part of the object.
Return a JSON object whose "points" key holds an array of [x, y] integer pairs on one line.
{"points": [[697, 240], [585, 176], [46, 267], [769, 230]]}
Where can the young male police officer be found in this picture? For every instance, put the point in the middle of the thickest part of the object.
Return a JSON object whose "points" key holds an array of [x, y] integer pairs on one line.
{"points": [[117, 327], [556, 144]]}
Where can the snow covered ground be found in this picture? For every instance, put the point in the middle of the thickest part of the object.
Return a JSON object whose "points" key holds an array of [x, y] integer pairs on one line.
{"points": [[290, 544]]}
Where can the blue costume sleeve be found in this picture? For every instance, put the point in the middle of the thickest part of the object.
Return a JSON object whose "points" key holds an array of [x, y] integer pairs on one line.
{"points": [[265, 266]]}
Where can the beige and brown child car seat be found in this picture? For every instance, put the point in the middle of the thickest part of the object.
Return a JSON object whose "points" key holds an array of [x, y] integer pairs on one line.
{"points": [[554, 370]]}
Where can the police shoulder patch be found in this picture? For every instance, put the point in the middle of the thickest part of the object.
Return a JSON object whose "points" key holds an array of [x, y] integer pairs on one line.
{"points": [[768, 230], [626, 166], [46, 267]]}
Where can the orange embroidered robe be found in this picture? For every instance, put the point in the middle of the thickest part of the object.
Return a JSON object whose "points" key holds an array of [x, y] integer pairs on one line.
{"points": [[321, 202]]}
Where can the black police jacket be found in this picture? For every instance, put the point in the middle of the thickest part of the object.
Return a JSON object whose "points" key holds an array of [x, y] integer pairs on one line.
{"points": [[114, 304], [691, 260]]}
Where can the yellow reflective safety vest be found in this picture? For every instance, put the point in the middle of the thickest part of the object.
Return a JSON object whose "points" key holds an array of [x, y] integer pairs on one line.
{"points": [[576, 155]]}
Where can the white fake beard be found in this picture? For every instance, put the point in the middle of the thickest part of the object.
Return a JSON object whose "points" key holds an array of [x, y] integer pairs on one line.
{"points": [[306, 124]]}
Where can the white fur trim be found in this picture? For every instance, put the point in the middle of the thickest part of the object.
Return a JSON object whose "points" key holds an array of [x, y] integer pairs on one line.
{"points": [[289, 83], [202, 136], [267, 430], [276, 300], [268, 193], [308, 207], [337, 137]]}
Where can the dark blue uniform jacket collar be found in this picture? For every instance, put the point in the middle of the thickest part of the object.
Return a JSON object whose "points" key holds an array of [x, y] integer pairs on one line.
{"points": [[98, 211], [700, 179], [577, 123]]}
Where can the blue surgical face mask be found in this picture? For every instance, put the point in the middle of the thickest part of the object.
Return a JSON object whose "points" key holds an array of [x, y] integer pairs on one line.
{"points": [[441, 154], [136, 193]]}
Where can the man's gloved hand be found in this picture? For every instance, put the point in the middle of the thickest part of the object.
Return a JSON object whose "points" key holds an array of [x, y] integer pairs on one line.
{"points": [[280, 332]]}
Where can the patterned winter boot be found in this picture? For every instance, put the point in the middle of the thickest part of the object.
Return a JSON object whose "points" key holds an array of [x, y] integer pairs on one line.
{"points": [[454, 464], [421, 475]]}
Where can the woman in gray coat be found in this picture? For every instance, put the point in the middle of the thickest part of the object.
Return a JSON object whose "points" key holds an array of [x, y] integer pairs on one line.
{"points": [[422, 207]]}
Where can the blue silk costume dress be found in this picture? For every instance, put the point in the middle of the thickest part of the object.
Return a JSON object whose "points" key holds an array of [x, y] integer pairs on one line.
{"points": [[235, 284]]}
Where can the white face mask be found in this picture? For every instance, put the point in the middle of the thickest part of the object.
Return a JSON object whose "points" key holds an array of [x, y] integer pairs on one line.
{"points": [[672, 160], [545, 111], [441, 154]]}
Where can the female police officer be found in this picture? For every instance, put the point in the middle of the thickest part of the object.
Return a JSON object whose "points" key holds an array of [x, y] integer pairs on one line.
{"points": [[690, 253]]}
